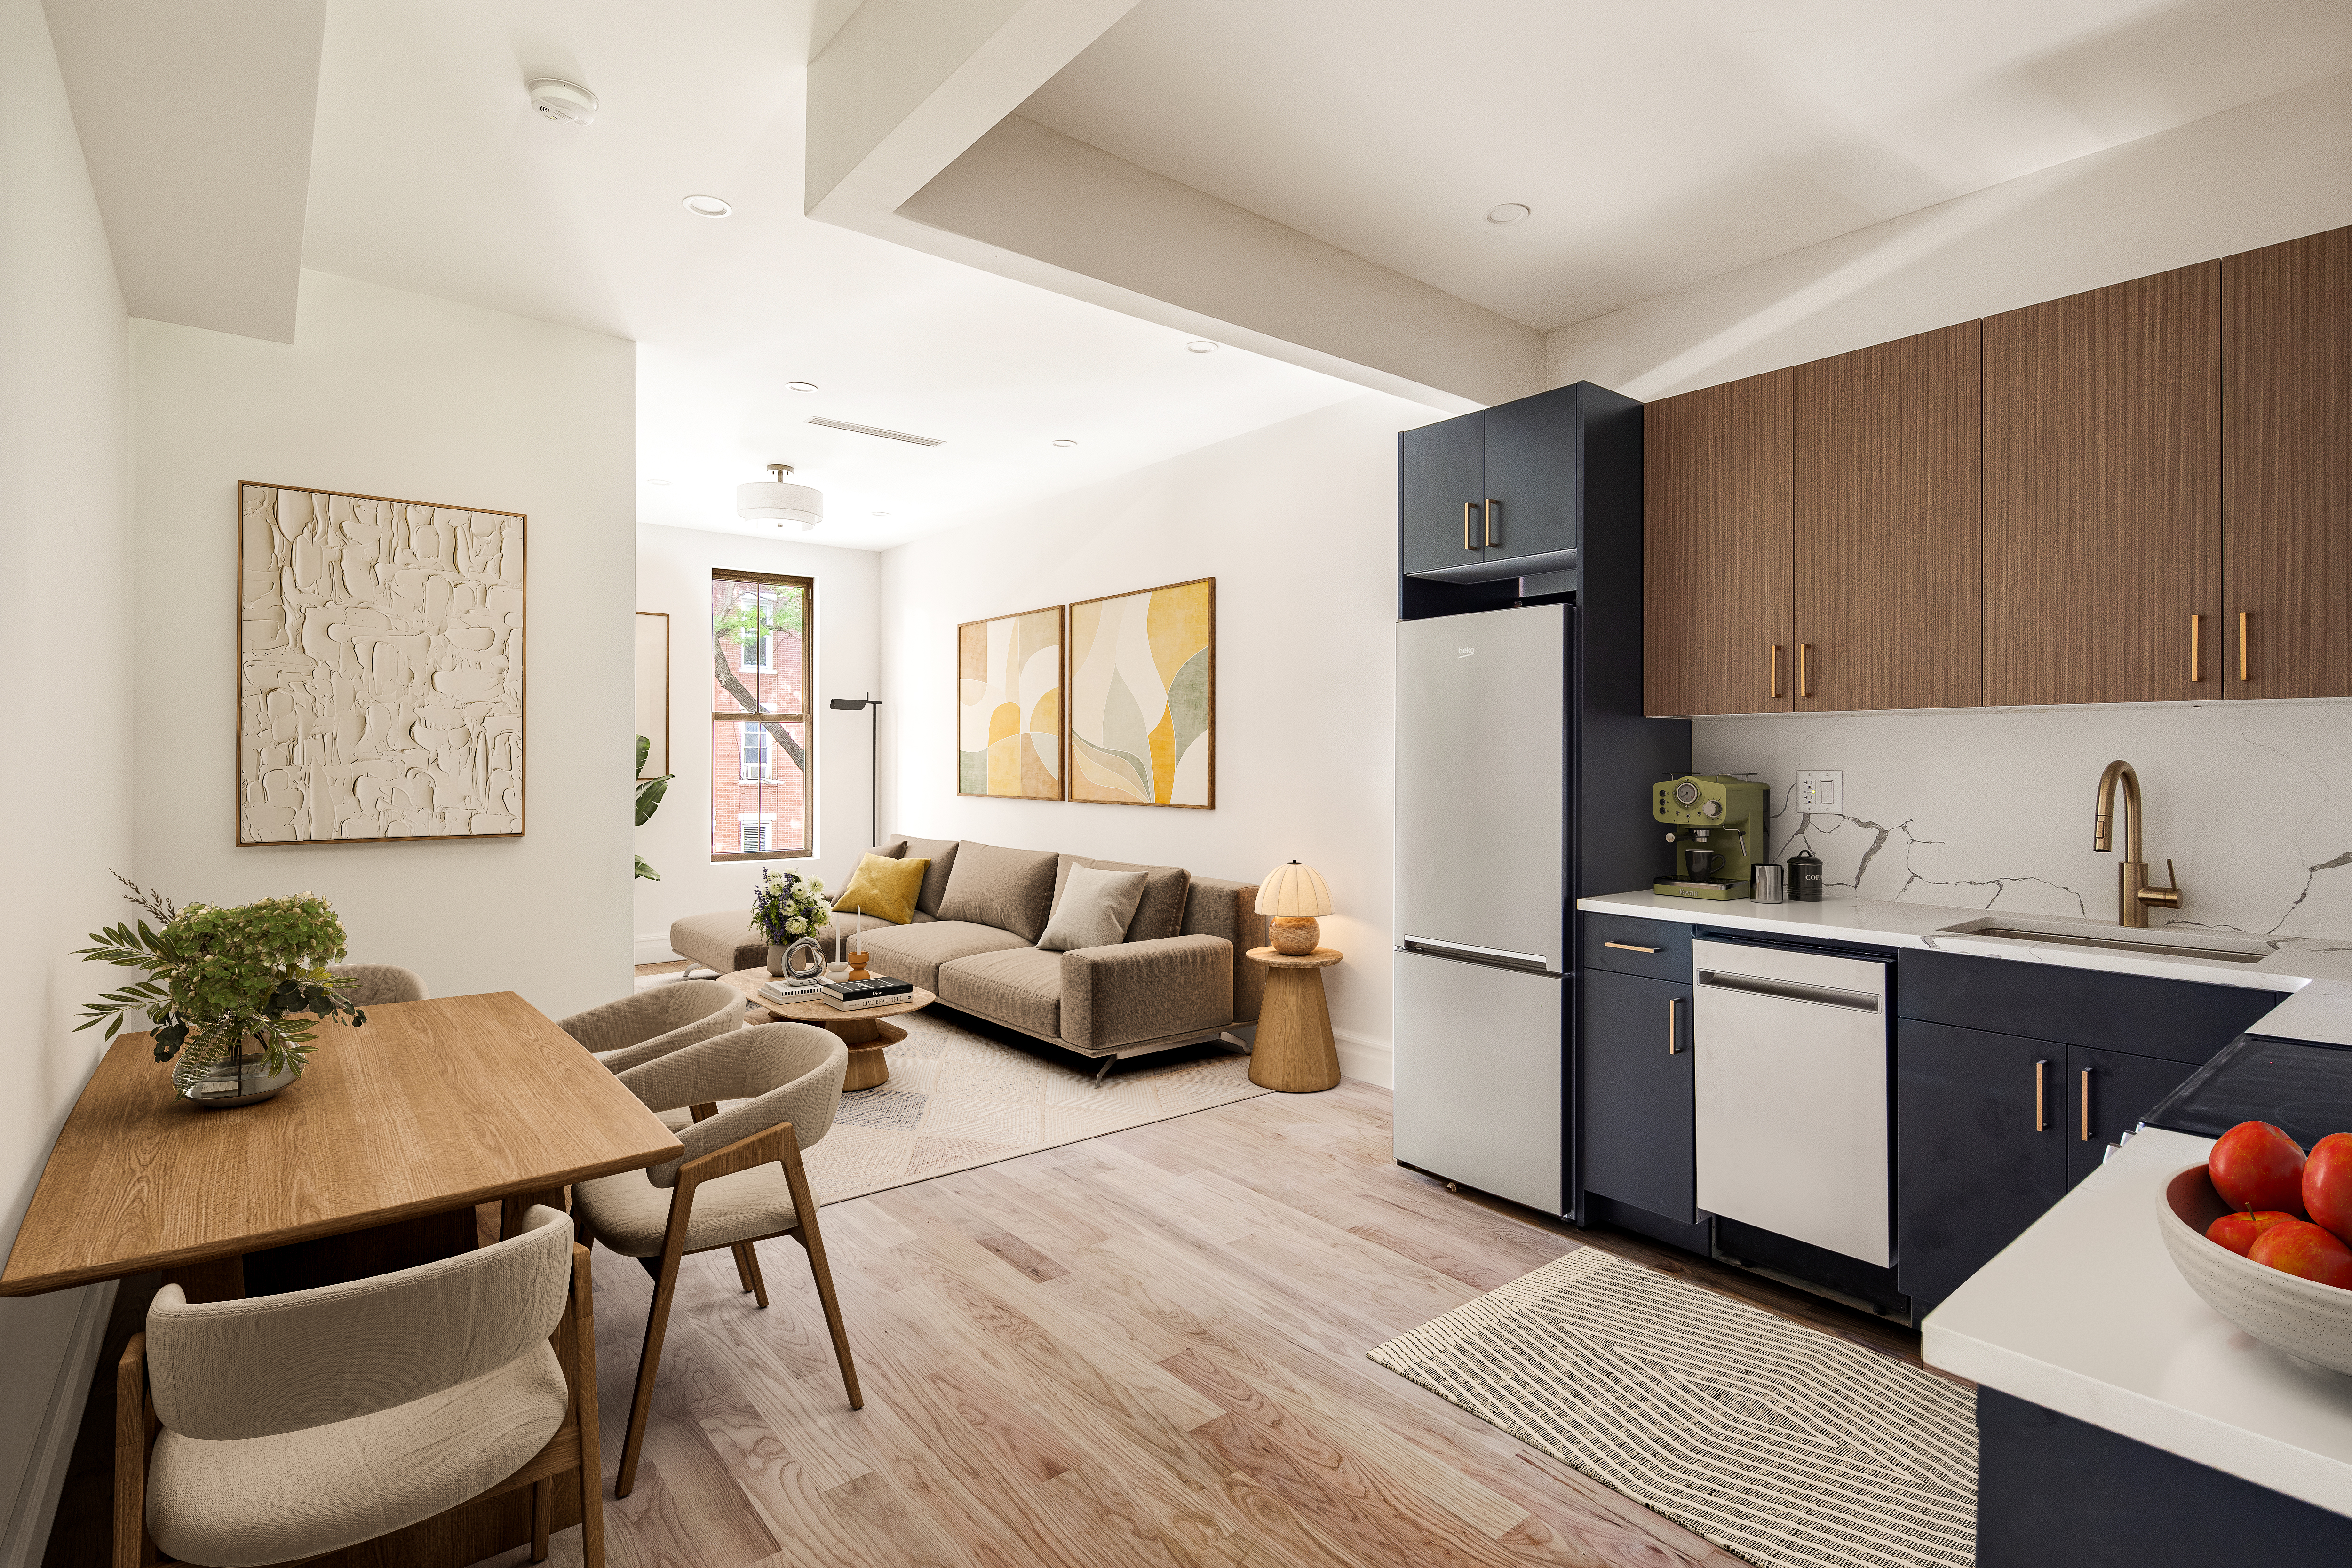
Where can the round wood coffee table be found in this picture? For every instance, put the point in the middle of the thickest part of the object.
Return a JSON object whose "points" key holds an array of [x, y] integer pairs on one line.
{"points": [[864, 1030], [1294, 1052]]}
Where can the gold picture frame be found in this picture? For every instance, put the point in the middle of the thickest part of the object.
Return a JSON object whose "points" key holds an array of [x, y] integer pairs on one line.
{"points": [[1143, 697]]}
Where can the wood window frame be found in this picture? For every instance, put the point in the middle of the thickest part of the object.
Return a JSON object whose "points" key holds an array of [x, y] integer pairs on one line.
{"points": [[807, 742]]}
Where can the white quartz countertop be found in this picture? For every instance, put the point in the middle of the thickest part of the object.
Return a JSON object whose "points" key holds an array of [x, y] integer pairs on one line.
{"points": [[2313, 975], [2086, 1315]]}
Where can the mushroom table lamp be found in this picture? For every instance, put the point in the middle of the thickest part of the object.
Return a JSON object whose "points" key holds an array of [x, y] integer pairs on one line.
{"points": [[1294, 894]]}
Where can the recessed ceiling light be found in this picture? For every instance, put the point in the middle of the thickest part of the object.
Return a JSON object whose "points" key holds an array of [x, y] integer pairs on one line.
{"points": [[657, 481], [1066, 441], [1509, 212], [881, 514], [800, 386], [708, 206], [1202, 346]]}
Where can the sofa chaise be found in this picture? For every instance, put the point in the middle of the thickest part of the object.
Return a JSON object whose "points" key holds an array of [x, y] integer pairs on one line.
{"points": [[1178, 979]]}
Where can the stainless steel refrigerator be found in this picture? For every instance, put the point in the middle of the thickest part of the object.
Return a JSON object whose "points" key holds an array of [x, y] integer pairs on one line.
{"points": [[1522, 774]]}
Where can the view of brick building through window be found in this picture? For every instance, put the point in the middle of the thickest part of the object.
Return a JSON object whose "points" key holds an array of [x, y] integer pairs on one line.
{"points": [[760, 663]]}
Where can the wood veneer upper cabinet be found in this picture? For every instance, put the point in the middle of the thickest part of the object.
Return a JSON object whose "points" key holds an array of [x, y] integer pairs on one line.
{"points": [[2103, 494], [1716, 497], [1889, 525], [2286, 438]]}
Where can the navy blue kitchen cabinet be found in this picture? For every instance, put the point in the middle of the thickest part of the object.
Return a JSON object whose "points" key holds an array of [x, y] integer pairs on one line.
{"points": [[1496, 495], [2011, 1080], [1637, 1110]]}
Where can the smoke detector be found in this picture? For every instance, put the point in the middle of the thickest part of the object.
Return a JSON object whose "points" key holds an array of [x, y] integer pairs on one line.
{"points": [[773, 500], [564, 103]]}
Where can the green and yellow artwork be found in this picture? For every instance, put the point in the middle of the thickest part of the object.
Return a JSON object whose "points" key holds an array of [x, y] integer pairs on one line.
{"points": [[1009, 706], [1143, 697]]}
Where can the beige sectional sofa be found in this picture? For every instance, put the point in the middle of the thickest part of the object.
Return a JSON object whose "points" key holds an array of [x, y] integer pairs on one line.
{"points": [[1179, 977]]}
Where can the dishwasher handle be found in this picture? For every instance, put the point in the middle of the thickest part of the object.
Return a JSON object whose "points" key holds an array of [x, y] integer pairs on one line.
{"points": [[1794, 991]]}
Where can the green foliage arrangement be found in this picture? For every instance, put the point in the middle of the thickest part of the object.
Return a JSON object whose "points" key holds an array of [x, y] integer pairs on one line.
{"points": [[216, 975], [789, 906], [649, 799]]}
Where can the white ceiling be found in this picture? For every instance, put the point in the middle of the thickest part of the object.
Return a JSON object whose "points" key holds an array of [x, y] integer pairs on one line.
{"points": [[431, 173], [1659, 143]]}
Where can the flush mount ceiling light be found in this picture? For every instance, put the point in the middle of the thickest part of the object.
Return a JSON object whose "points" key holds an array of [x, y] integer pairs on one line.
{"points": [[1200, 346], [1509, 212], [800, 386], [773, 500], [1066, 441], [881, 514], [564, 102], [657, 481], [708, 206]]}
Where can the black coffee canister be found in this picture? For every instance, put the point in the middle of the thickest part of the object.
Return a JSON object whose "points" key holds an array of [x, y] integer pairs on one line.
{"points": [[1805, 877]]}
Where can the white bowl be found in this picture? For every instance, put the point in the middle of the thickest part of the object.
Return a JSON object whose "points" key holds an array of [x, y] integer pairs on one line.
{"points": [[2308, 1320]]}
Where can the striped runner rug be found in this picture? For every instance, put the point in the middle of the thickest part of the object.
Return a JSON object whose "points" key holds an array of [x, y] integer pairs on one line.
{"points": [[1782, 1444]]}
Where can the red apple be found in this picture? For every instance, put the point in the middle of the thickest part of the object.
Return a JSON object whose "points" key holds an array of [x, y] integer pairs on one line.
{"points": [[2327, 1184], [2254, 1165], [2301, 1247], [2238, 1232]]}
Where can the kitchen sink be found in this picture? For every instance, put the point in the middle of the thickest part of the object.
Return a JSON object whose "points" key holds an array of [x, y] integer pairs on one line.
{"points": [[2159, 944]]}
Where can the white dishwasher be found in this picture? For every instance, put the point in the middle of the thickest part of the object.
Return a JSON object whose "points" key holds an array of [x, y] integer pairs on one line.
{"points": [[1788, 1051]]}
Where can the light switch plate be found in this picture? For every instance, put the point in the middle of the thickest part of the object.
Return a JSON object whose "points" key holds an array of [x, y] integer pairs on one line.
{"points": [[1820, 792]]}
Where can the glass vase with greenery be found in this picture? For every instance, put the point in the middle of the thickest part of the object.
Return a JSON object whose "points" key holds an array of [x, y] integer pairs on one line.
{"points": [[218, 978]]}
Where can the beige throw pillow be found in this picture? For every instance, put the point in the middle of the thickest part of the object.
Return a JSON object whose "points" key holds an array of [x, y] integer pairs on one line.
{"points": [[1095, 910]]}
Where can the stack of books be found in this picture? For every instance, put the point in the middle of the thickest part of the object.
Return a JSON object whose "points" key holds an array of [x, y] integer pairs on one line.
{"points": [[880, 992], [784, 989]]}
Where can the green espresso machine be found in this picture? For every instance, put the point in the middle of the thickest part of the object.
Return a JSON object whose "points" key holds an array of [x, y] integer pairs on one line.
{"points": [[1717, 824]]}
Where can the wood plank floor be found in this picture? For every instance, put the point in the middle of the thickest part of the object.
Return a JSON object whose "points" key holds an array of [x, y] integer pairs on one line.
{"points": [[1145, 1349]]}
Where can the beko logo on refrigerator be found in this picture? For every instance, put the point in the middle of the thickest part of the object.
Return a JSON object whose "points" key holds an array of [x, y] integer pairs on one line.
{"points": [[1464, 652]]}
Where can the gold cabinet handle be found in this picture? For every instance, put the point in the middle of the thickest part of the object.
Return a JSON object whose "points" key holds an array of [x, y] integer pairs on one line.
{"points": [[1674, 1026], [2242, 645], [1804, 681], [2040, 1100], [1628, 947], [2196, 649], [2086, 1105], [1776, 669], [1468, 508], [1493, 506]]}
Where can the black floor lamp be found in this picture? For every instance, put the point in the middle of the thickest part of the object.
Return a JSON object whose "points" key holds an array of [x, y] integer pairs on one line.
{"points": [[874, 762]]}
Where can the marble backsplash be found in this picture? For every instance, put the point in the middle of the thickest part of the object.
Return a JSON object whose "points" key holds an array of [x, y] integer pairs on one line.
{"points": [[2252, 802]]}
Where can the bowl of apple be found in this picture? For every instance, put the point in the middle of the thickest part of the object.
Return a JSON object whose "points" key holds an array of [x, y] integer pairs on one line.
{"points": [[2260, 1231]]}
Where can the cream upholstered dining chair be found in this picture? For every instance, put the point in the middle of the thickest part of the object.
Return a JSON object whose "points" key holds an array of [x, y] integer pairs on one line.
{"points": [[738, 1182], [285, 1427], [374, 985], [651, 1023]]}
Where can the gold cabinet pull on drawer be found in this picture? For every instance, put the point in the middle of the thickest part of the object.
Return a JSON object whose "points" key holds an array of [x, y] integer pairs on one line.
{"points": [[2241, 645], [2041, 1102], [2196, 649], [2086, 1105], [1628, 947]]}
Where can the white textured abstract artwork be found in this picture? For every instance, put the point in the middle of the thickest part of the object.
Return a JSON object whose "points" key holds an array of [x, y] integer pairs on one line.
{"points": [[380, 667]]}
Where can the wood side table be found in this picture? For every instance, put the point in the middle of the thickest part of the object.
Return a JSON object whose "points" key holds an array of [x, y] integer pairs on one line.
{"points": [[1294, 1052], [861, 1029]]}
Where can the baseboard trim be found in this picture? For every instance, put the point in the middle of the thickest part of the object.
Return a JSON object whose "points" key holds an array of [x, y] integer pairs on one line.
{"points": [[654, 948], [35, 1503], [1365, 1059]]}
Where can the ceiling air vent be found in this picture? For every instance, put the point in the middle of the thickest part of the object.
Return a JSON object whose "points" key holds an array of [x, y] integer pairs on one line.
{"points": [[878, 430]]}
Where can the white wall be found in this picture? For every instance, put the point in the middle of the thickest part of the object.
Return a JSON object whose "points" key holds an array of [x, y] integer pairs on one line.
{"points": [[674, 566], [392, 394], [1297, 524], [2270, 172], [65, 641]]}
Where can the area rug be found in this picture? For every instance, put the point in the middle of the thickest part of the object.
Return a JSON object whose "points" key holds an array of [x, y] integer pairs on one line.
{"points": [[956, 1098], [1778, 1443]]}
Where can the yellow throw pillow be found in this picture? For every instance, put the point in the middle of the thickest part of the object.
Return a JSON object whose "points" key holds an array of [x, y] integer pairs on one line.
{"points": [[884, 889]]}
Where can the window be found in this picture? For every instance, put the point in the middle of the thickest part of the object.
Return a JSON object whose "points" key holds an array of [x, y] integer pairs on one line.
{"points": [[760, 676]]}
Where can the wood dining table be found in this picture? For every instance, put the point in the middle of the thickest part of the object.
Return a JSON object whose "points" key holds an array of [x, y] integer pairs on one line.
{"points": [[373, 1159]]}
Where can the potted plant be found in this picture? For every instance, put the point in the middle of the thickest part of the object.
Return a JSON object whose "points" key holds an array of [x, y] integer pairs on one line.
{"points": [[787, 908], [234, 997]]}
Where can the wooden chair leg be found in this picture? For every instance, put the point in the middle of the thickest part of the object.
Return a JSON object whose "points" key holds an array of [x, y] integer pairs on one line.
{"points": [[805, 1209], [742, 1269], [131, 1547], [543, 1518], [641, 1406], [747, 1262]]}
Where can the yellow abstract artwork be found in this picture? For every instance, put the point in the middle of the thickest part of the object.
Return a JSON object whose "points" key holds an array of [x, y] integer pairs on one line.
{"points": [[1143, 697], [1009, 706]]}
